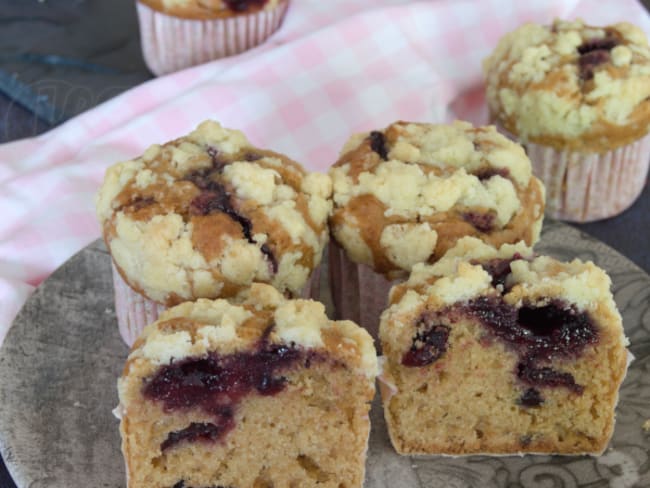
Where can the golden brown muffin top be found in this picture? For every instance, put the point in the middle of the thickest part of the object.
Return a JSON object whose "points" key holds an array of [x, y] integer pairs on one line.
{"points": [[206, 215], [406, 194], [571, 85]]}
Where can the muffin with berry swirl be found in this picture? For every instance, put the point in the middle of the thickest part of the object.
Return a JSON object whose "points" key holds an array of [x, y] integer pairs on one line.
{"points": [[499, 351], [255, 391], [204, 216], [404, 195], [578, 98], [177, 34]]}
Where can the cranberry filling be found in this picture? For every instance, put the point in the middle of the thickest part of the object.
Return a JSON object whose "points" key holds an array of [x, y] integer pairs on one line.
{"points": [[196, 431], [483, 222], [593, 53], [378, 144], [217, 383], [531, 398], [606, 44], [429, 345], [498, 268], [487, 173], [215, 198], [181, 484], [545, 376], [537, 334]]}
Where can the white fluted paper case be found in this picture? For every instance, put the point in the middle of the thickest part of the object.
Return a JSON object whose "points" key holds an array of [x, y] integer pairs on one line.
{"points": [[582, 187], [173, 43]]}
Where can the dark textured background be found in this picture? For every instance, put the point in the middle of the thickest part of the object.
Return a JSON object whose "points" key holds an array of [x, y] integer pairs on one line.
{"points": [[62, 57]]}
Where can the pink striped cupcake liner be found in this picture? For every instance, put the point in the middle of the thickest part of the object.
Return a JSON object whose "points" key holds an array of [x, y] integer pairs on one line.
{"points": [[359, 293], [134, 311], [583, 187], [173, 43]]}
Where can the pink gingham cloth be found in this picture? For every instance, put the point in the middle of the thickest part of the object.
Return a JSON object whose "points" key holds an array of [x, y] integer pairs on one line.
{"points": [[333, 68]]}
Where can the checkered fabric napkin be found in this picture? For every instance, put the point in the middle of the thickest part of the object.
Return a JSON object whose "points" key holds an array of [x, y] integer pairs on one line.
{"points": [[334, 68]]}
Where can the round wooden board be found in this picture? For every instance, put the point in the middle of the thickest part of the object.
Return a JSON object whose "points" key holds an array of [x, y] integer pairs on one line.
{"points": [[61, 359]]}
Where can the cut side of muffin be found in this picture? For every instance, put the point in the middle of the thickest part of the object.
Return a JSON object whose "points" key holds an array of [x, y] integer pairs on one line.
{"points": [[260, 391], [499, 351]]}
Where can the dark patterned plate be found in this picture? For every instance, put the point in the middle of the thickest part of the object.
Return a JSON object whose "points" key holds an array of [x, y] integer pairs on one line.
{"points": [[60, 362]]}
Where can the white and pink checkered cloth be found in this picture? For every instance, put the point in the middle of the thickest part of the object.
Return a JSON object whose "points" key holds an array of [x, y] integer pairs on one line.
{"points": [[334, 68]]}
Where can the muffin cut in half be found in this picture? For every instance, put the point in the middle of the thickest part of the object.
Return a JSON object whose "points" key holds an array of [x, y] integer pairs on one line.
{"points": [[259, 391], [499, 351]]}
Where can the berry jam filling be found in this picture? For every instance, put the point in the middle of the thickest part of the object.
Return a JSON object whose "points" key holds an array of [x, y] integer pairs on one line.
{"points": [[378, 144], [497, 268], [215, 198], [428, 345], [537, 334], [545, 376], [244, 5], [197, 431], [531, 398], [217, 383], [483, 222], [593, 53], [181, 484], [487, 173]]}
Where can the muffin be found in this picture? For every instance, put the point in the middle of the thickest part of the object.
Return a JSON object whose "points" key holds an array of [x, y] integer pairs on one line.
{"points": [[499, 351], [255, 391], [204, 216], [578, 98], [406, 194], [177, 34]]}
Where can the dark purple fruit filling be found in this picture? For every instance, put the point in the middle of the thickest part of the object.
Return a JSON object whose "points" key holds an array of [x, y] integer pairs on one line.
{"points": [[487, 173], [604, 44], [428, 345], [556, 329], [181, 484], [531, 398], [215, 198], [497, 268], [217, 383], [545, 376], [593, 53], [244, 5], [537, 334], [378, 144], [483, 222], [197, 432]]}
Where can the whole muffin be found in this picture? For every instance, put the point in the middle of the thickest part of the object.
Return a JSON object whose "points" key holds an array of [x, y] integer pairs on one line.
{"points": [[499, 351], [177, 34], [578, 98], [406, 194], [206, 215], [256, 391]]}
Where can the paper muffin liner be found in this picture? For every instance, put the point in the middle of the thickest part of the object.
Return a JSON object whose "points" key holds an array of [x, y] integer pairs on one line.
{"points": [[359, 293], [582, 187], [173, 43], [134, 311]]}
